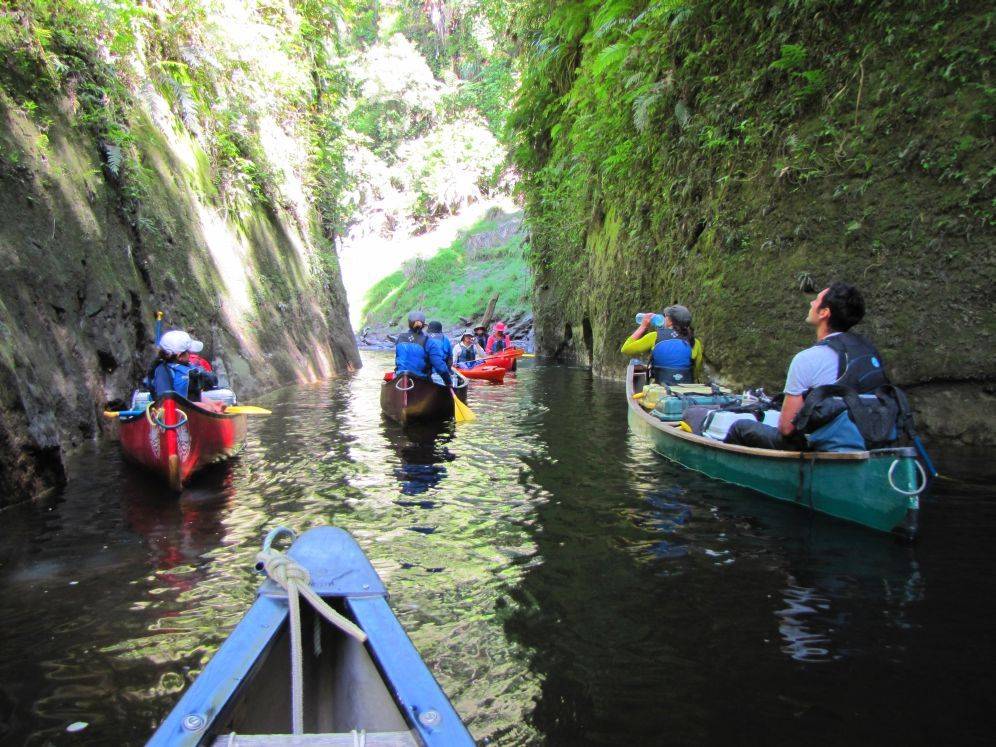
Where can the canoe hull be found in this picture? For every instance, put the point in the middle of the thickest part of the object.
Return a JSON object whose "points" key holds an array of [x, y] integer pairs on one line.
{"points": [[407, 399], [200, 438], [852, 486], [494, 374], [506, 359], [382, 685]]}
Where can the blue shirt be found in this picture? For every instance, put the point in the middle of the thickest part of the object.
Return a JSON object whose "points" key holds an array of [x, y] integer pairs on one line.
{"points": [[171, 377], [440, 352]]}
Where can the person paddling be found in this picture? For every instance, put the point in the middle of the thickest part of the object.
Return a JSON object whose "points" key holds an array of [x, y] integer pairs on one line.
{"points": [[435, 332], [675, 351], [420, 355], [481, 336], [173, 370], [498, 341]]}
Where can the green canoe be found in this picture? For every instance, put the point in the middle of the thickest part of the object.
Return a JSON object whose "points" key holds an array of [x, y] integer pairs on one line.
{"points": [[878, 489]]}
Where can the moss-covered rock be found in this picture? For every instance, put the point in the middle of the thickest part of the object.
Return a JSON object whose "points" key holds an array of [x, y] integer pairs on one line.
{"points": [[83, 269], [737, 157]]}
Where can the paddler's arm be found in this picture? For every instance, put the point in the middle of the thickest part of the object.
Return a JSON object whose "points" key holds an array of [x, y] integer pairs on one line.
{"points": [[790, 408], [697, 373], [639, 343], [798, 381]]}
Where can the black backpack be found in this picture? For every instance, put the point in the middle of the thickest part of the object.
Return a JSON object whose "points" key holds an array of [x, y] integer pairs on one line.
{"points": [[879, 409]]}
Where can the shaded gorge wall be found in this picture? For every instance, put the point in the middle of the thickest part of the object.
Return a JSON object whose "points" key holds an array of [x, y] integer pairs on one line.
{"points": [[738, 157]]}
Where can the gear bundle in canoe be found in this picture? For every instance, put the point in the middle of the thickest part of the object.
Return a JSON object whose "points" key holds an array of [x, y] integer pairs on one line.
{"points": [[176, 437], [879, 488]]}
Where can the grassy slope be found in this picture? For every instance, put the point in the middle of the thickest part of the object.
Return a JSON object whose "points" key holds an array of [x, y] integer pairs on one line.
{"points": [[458, 281]]}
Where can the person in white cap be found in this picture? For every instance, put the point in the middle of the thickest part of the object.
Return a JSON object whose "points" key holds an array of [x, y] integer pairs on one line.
{"points": [[467, 350], [173, 371]]}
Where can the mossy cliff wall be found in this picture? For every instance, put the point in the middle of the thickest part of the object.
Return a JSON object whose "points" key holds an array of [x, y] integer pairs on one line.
{"points": [[82, 274], [737, 157]]}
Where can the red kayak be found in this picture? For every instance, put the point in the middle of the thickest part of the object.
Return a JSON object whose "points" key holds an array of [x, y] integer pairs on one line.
{"points": [[494, 374], [506, 358], [176, 437]]}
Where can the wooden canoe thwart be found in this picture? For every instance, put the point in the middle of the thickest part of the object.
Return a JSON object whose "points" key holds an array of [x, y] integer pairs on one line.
{"points": [[176, 437], [879, 489], [374, 692], [406, 398]]}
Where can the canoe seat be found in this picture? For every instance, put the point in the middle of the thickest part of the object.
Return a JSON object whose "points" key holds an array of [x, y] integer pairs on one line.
{"points": [[344, 739]]}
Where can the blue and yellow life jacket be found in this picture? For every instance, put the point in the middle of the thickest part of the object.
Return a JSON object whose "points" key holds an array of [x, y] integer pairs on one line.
{"points": [[671, 358]]}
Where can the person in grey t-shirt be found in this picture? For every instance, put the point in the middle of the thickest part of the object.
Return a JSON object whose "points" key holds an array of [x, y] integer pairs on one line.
{"points": [[836, 309]]}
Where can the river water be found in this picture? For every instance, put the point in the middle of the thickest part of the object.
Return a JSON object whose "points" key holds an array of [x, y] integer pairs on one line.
{"points": [[565, 585]]}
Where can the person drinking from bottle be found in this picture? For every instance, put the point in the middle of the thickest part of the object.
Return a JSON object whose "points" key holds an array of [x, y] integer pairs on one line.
{"points": [[675, 352], [468, 351]]}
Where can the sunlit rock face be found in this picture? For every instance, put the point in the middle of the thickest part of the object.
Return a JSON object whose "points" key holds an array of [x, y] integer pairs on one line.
{"points": [[85, 263]]}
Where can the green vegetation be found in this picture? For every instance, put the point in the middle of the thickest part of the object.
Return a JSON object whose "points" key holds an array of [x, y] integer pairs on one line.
{"points": [[429, 90], [716, 153], [488, 259]]}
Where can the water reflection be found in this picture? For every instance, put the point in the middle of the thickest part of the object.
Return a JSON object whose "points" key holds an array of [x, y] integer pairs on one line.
{"points": [[566, 585], [423, 451]]}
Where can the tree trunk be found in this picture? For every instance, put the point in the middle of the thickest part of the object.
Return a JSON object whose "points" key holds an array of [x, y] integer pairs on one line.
{"points": [[490, 312]]}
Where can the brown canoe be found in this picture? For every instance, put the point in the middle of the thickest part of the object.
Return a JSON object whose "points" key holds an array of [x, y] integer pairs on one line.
{"points": [[405, 398]]}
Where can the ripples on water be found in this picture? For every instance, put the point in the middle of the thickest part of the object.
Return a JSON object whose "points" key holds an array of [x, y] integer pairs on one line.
{"points": [[565, 585]]}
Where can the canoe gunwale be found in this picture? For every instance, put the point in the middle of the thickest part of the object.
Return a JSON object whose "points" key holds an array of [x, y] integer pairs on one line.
{"points": [[183, 401], [340, 571]]}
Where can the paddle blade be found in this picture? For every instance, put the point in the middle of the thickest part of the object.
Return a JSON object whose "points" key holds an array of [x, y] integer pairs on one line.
{"points": [[461, 412], [246, 410]]}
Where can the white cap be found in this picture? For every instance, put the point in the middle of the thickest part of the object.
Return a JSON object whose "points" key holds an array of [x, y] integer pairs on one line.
{"points": [[177, 341]]}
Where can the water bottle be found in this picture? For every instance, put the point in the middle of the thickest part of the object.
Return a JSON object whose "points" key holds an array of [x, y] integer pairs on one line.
{"points": [[657, 320], [140, 400]]}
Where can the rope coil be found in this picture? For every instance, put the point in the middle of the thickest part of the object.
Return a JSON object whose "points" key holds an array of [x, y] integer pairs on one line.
{"points": [[153, 416], [921, 484], [296, 581]]}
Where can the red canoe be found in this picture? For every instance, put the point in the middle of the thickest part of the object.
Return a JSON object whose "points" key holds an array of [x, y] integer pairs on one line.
{"points": [[495, 374], [176, 437]]}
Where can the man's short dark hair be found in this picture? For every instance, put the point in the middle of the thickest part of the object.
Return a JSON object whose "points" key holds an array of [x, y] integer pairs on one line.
{"points": [[846, 304]]}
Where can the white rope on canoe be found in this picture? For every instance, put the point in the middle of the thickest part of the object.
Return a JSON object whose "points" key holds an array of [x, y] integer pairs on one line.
{"points": [[296, 581]]}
